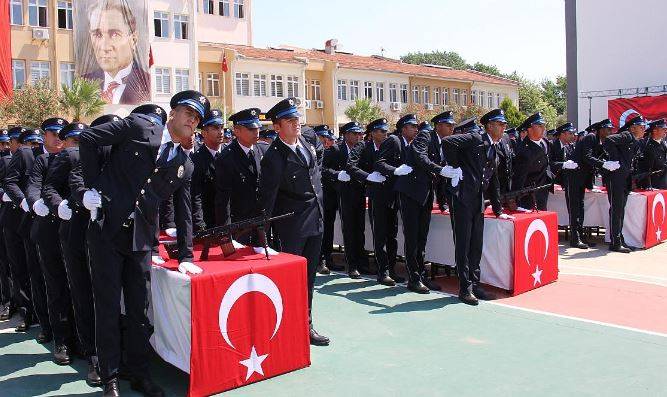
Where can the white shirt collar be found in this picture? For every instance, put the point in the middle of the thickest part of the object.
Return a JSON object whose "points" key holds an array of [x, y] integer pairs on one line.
{"points": [[376, 147], [405, 140], [213, 152], [119, 76], [247, 149], [293, 147]]}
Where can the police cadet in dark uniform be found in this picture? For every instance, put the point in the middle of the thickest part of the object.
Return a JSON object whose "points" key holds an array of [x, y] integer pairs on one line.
{"points": [[267, 135], [227, 137], [622, 151], [382, 201], [237, 174], [443, 127], [505, 152], [203, 179], [472, 155], [19, 226], [351, 198], [291, 182], [147, 165], [330, 203], [531, 165], [7, 290], [654, 157]]}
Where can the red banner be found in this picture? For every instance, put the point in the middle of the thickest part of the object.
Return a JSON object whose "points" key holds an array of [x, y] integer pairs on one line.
{"points": [[6, 84], [535, 250], [656, 217], [651, 107]]}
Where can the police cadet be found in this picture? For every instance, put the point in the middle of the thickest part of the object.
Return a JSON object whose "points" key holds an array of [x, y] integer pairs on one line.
{"points": [[443, 127], [505, 153], [7, 291], [203, 179], [654, 158], [237, 173], [472, 156], [267, 135], [351, 198], [622, 151], [20, 224], [146, 165], [227, 137], [291, 182], [330, 203], [531, 165], [382, 201]]}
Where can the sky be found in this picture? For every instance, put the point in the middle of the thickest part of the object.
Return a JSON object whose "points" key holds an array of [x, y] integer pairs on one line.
{"points": [[523, 35]]}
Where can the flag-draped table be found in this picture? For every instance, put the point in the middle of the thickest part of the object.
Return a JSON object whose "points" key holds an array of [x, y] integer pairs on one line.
{"points": [[242, 320], [517, 255]]}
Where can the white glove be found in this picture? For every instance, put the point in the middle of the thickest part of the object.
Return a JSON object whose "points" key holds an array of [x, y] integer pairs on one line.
{"points": [[5, 198], [189, 267], [24, 205], [171, 232], [570, 165], [375, 177], [403, 169], [505, 216], [237, 245], [611, 165], [92, 200], [521, 209], [157, 259], [40, 208], [343, 176], [596, 190], [64, 212], [260, 250], [450, 172]]}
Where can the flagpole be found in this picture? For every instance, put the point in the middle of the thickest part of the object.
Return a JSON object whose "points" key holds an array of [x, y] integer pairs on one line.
{"points": [[224, 88]]}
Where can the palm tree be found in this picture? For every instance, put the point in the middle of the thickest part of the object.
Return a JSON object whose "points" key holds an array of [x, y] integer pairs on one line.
{"points": [[363, 111], [83, 99]]}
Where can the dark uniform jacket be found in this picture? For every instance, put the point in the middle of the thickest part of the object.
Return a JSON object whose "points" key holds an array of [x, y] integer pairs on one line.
{"points": [[16, 184], [389, 156], [34, 192], [654, 158], [559, 154], [531, 165], [335, 160], [589, 156], [624, 148], [203, 189], [422, 155]]}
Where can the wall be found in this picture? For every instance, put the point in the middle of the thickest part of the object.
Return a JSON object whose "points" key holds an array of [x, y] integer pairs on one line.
{"points": [[511, 92], [224, 29]]}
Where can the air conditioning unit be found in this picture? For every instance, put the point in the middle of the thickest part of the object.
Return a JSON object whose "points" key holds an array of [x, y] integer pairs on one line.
{"points": [[395, 106], [429, 106], [319, 104], [308, 104], [299, 101], [40, 34]]}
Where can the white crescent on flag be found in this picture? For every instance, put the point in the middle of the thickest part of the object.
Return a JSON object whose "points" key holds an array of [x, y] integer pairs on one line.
{"points": [[659, 198], [537, 225], [240, 287]]}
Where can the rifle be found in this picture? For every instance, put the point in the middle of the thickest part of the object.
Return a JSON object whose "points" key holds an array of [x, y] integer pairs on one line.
{"points": [[638, 177], [509, 199], [223, 235]]}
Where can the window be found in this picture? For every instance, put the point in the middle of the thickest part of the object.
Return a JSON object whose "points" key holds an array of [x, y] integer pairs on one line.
{"points": [[481, 99], [259, 84], [497, 100], [212, 84], [315, 90], [456, 97], [181, 26], [393, 93], [223, 8], [368, 90], [464, 97], [18, 73], [238, 8], [39, 71], [292, 86], [379, 92], [490, 101], [473, 97], [425, 93], [208, 7], [436, 96], [242, 82], [16, 12], [66, 73], [161, 22], [445, 96], [354, 90], [200, 87], [404, 93], [277, 86], [37, 13], [182, 77], [64, 15], [162, 81], [342, 90], [415, 94]]}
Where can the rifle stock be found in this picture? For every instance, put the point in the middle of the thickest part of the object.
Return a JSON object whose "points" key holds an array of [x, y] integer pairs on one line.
{"points": [[509, 199]]}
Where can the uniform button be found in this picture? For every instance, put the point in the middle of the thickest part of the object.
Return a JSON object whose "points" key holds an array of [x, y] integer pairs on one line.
{"points": [[143, 191], [155, 171], [136, 153], [149, 180], [171, 181], [136, 203]]}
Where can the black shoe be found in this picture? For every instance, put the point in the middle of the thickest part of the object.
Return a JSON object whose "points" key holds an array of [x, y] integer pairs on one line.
{"points": [[469, 299], [418, 287], [432, 285], [7, 312], [323, 269], [146, 387], [577, 243], [93, 378], [397, 278], [480, 294], [61, 356], [386, 280], [317, 339], [354, 274], [24, 325], [44, 337], [111, 388], [619, 248]]}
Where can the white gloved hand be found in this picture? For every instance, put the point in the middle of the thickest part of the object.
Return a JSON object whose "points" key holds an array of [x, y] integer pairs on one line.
{"points": [[611, 165], [237, 245], [40, 208], [455, 181], [596, 190], [157, 259], [92, 200], [24, 205], [260, 250], [171, 232], [450, 172], [505, 216], [375, 177], [64, 212], [403, 169], [343, 176], [6, 198], [570, 165], [523, 209], [189, 267]]}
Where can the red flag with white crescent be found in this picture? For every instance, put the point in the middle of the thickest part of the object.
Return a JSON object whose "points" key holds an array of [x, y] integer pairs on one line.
{"points": [[535, 250], [656, 217], [223, 66], [623, 109], [150, 57]]}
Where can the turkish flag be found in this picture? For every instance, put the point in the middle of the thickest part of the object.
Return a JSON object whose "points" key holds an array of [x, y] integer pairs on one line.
{"points": [[224, 67], [656, 217], [6, 81], [651, 107], [150, 57], [535, 250]]}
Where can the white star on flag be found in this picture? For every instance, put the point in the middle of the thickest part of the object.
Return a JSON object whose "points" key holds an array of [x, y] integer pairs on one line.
{"points": [[537, 276], [254, 363], [657, 234]]}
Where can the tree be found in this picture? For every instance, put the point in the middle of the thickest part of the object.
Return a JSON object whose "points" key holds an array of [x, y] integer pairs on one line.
{"points": [[512, 113], [555, 93], [463, 113], [363, 111], [32, 104], [488, 69], [82, 100], [443, 58]]}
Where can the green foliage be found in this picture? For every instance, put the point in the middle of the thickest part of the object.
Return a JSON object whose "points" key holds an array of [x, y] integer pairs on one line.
{"points": [[82, 100], [30, 105], [555, 93], [512, 113], [444, 58], [363, 111]]}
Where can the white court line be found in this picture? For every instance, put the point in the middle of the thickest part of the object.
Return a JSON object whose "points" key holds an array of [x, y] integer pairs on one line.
{"points": [[567, 267], [634, 280]]}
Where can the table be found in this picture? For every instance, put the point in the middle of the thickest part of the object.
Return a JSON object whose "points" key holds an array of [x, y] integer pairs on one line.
{"points": [[244, 319]]}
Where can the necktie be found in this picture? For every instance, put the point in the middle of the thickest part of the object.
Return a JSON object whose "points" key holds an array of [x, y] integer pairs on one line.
{"points": [[253, 165], [491, 153], [543, 146], [163, 158], [107, 95], [302, 156]]}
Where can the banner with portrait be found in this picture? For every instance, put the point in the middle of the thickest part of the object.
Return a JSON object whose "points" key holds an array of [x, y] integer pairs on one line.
{"points": [[111, 46]]}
